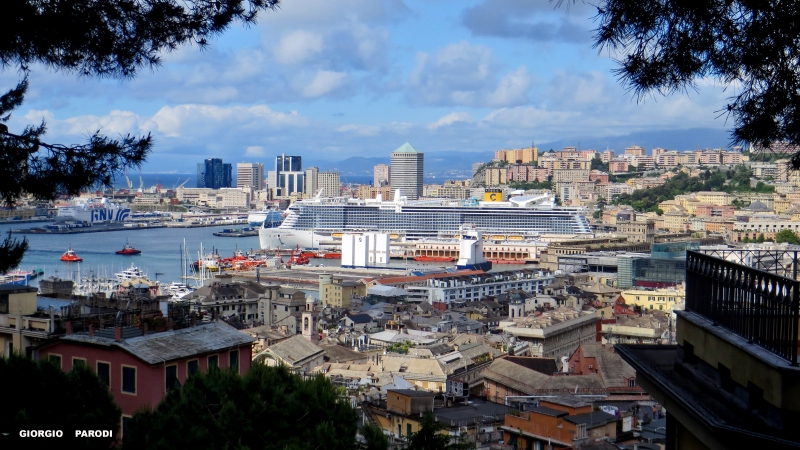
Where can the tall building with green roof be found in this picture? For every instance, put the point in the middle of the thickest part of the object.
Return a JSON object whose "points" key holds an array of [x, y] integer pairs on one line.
{"points": [[407, 171]]}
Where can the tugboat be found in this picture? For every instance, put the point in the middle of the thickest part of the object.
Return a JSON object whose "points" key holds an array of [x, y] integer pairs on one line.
{"points": [[128, 250], [71, 256]]}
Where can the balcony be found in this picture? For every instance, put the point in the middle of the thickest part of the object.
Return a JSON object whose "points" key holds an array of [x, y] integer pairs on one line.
{"points": [[759, 306]]}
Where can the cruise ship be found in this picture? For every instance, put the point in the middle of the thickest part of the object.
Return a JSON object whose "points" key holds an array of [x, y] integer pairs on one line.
{"points": [[311, 222]]}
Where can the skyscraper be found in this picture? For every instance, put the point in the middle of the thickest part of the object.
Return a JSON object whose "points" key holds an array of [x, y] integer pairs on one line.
{"points": [[330, 183], [214, 174], [250, 174], [289, 175], [406, 171], [382, 175]]}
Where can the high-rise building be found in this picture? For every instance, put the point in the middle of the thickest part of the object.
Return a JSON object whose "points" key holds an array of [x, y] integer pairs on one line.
{"points": [[312, 181], [250, 174], [407, 171], [289, 175], [214, 174], [382, 175], [330, 183]]}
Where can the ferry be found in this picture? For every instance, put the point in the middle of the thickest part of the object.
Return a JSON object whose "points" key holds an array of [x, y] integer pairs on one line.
{"points": [[92, 210], [309, 222]]}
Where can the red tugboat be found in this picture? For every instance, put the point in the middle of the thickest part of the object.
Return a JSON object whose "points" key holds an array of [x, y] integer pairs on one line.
{"points": [[71, 256], [298, 259], [128, 250]]}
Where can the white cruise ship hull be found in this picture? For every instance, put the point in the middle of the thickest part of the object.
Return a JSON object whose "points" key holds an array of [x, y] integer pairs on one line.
{"points": [[272, 238]]}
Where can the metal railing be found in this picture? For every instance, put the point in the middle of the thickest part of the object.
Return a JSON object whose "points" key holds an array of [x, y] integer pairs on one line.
{"points": [[779, 262], [760, 306]]}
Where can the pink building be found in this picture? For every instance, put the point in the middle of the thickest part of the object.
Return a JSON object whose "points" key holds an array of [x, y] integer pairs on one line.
{"points": [[715, 211], [140, 368]]}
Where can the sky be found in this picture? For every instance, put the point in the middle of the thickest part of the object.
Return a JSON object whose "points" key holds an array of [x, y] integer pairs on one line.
{"points": [[329, 80]]}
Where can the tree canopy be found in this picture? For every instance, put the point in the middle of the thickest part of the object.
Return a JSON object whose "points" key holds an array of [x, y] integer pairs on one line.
{"points": [[102, 38], [430, 437], [267, 408], [752, 47], [787, 235], [42, 397]]}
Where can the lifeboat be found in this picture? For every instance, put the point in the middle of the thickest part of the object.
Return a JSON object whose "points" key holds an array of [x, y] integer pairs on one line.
{"points": [[71, 256], [128, 250]]}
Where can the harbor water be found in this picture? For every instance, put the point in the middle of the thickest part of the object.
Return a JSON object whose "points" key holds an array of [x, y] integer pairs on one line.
{"points": [[161, 252]]}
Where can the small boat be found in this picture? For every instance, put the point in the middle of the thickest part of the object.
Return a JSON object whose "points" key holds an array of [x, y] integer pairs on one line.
{"points": [[128, 250], [71, 256], [328, 255]]}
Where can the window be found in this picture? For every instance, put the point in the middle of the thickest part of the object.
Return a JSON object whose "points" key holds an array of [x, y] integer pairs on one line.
{"points": [[213, 362], [55, 359], [104, 372], [3, 303], [171, 377], [408, 429], [76, 362], [233, 360], [192, 367], [632, 382], [129, 380], [126, 427]]}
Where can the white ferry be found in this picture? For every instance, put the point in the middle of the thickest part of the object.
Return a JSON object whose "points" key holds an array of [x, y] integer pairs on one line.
{"points": [[92, 210]]}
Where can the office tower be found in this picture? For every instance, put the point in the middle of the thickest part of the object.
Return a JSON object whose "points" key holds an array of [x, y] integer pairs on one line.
{"points": [[312, 184], [382, 175], [214, 174], [407, 170], [330, 183], [289, 175], [250, 174]]}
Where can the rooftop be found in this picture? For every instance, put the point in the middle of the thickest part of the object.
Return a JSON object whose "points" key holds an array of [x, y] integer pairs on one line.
{"points": [[172, 345]]}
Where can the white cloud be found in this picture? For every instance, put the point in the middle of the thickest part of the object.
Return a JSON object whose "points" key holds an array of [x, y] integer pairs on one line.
{"points": [[465, 74], [297, 47], [254, 150], [361, 130], [324, 82], [450, 119]]}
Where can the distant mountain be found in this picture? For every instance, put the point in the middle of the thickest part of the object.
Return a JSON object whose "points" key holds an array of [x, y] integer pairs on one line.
{"points": [[439, 164], [691, 139]]}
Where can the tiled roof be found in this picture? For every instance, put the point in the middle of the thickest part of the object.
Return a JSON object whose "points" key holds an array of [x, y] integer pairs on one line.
{"points": [[171, 345]]}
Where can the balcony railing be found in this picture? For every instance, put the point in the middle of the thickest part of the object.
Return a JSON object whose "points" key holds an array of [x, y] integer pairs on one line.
{"points": [[760, 306]]}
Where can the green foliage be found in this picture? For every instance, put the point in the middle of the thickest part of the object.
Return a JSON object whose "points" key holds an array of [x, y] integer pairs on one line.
{"points": [[107, 39], [665, 47], [375, 438], [597, 214], [532, 185], [267, 408], [400, 347], [787, 235], [737, 181], [429, 437], [40, 396], [598, 164]]}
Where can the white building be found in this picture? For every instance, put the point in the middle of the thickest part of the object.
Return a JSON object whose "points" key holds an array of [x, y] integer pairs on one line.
{"points": [[477, 286], [330, 183]]}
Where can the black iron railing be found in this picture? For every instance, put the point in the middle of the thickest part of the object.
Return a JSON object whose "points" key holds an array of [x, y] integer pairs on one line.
{"points": [[757, 305]]}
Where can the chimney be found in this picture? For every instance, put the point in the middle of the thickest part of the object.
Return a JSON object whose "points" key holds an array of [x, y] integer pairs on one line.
{"points": [[144, 329], [117, 334], [69, 327], [91, 330]]}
